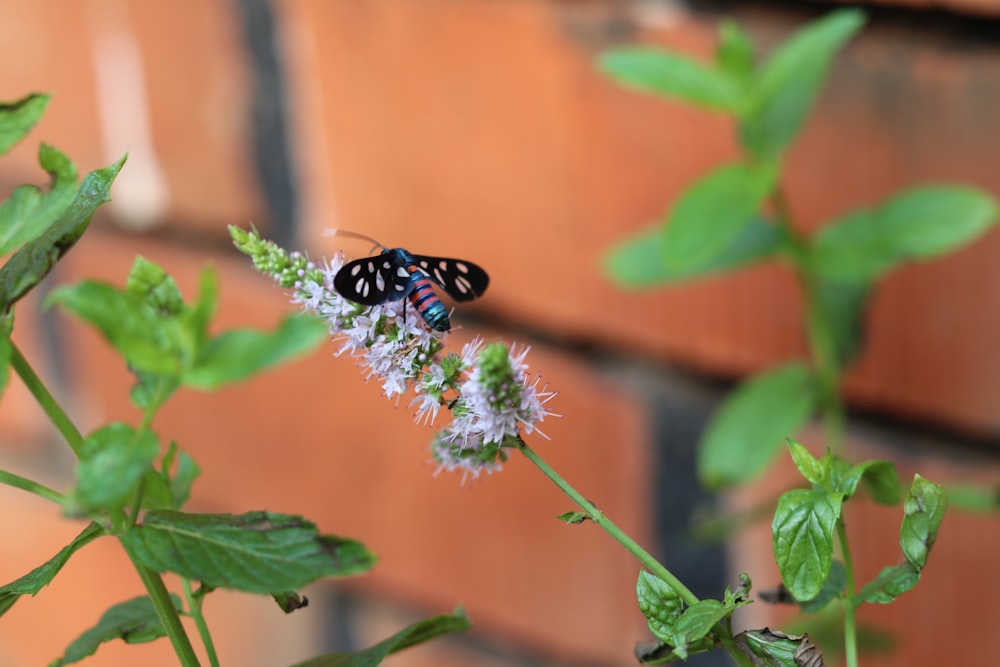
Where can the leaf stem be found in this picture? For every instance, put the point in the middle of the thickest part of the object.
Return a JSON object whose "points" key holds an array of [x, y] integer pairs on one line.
{"points": [[31, 486], [45, 399], [850, 633], [597, 516], [194, 605]]}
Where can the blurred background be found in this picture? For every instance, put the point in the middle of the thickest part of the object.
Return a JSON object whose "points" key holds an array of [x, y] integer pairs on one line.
{"points": [[482, 130]]}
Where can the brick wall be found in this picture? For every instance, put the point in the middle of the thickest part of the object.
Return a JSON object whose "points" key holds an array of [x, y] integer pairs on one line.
{"points": [[482, 130]]}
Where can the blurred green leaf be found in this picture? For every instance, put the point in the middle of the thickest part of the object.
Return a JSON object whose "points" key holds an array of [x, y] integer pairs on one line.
{"points": [[789, 81], [17, 118], [802, 537], [710, 213], [256, 552], [747, 430], [239, 353], [147, 340], [33, 261], [735, 53], [152, 284], [843, 308], [412, 635], [976, 498], [40, 577], [29, 211], [134, 622], [640, 261], [665, 73], [115, 459], [923, 511], [915, 225], [881, 481]]}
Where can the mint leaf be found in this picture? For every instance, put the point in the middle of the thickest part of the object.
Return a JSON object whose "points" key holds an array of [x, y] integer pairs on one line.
{"points": [[669, 74], [115, 459], [29, 211], [890, 583], [802, 537], [923, 511], [749, 427], [17, 118], [256, 552]]}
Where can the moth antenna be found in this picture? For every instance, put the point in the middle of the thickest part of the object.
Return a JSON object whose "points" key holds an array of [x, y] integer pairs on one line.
{"points": [[353, 235]]}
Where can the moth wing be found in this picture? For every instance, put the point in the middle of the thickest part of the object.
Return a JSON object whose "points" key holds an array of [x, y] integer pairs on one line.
{"points": [[372, 280], [461, 280]]}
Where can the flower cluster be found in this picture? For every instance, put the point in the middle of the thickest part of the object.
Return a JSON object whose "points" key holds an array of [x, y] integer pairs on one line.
{"points": [[487, 389]]}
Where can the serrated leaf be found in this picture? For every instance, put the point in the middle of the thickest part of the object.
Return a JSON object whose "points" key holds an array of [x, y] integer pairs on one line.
{"points": [[33, 261], [672, 75], [418, 633], [711, 212], [639, 261], [789, 81], [832, 587], [811, 468], [29, 211], [134, 622], [802, 537], [40, 577], [149, 342], [923, 511], [890, 583], [256, 552], [747, 430], [698, 620], [660, 604], [239, 353], [17, 118]]}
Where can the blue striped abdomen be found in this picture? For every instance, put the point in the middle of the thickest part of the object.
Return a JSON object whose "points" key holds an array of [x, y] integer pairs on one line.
{"points": [[426, 301]]}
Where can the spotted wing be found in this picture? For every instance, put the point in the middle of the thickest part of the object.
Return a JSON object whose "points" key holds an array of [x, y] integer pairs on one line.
{"points": [[373, 280], [461, 280]]}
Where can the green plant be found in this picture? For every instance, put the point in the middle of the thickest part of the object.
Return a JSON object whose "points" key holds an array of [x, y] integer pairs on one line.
{"points": [[737, 215], [128, 485]]}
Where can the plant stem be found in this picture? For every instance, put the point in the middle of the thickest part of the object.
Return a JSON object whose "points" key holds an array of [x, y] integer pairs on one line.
{"points": [[597, 516], [850, 634], [46, 400], [31, 486], [165, 610], [194, 605]]}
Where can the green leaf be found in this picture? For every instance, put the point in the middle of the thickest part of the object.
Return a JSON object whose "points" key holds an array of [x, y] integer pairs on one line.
{"points": [[802, 537], [671, 75], [660, 604], [115, 459], [240, 353], [149, 341], [890, 583], [832, 587], [573, 517], [290, 601], [134, 622], [735, 53], [935, 220], [29, 211], [40, 577], [697, 621], [881, 481], [256, 552], [974, 498], [710, 214], [418, 633], [148, 282], [923, 510], [17, 118], [639, 261], [790, 80], [814, 470], [771, 648], [918, 224], [843, 308], [749, 427], [166, 489], [33, 261]]}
